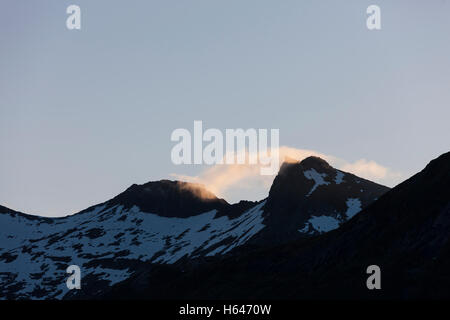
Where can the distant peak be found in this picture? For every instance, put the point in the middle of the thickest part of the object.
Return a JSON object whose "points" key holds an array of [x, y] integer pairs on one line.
{"points": [[313, 162], [170, 198], [290, 165], [163, 187]]}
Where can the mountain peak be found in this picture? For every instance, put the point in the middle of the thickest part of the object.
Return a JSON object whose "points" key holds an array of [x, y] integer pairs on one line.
{"points": [[164, 187], [311, 162], [311, 197], [315, 162], [170, 198]]}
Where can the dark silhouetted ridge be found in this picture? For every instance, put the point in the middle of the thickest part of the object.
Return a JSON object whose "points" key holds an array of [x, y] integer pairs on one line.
{"points": [[170, 198]]}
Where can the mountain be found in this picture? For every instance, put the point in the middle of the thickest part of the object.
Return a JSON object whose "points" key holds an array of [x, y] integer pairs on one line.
{"points": [[165, 223], [406, 232], [311, 197], [108, 240], [170, 199]]}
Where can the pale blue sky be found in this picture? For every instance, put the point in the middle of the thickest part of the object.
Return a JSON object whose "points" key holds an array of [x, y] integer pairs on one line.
{"points": [[84, 114]]}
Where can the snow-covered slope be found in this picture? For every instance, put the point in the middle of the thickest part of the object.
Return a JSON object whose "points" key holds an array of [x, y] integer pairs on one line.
{"points": [[35, 253]]}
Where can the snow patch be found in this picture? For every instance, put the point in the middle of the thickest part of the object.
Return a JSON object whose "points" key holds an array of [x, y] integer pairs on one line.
{"points": [[353, 207], [339, 177], [318, 178], [323, 223]]}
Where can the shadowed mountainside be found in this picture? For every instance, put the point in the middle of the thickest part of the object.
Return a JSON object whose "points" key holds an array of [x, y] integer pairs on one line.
{"points": [[406, 232]]}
